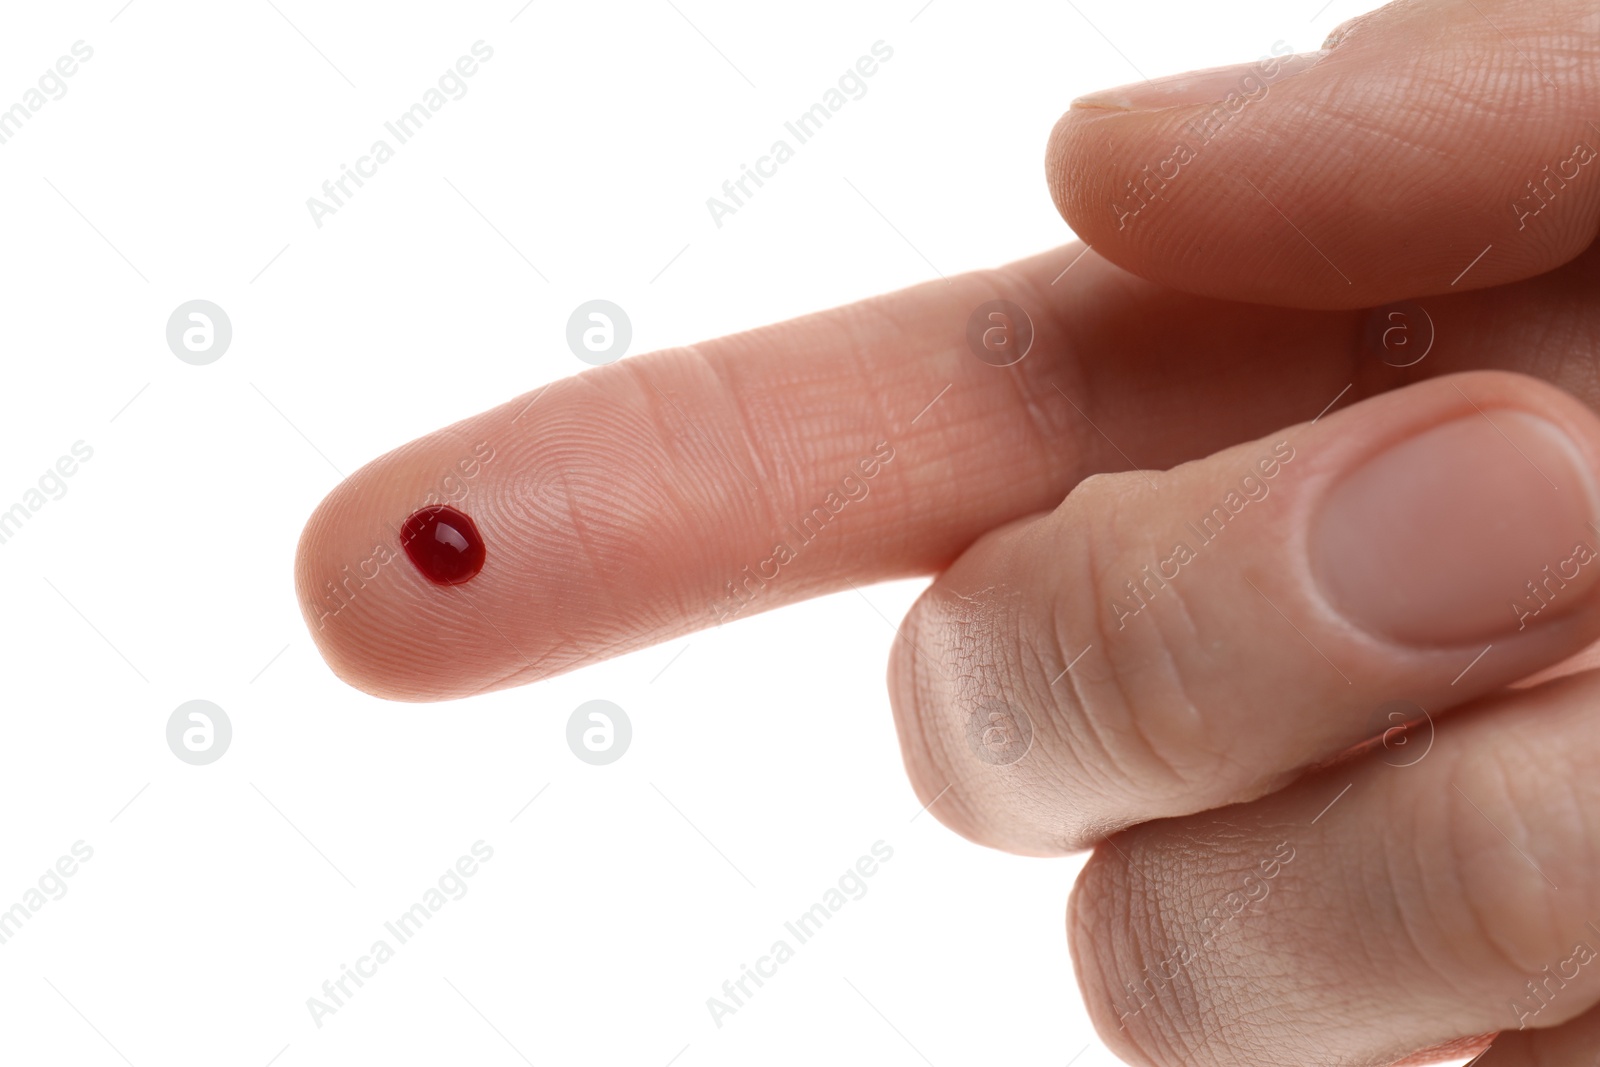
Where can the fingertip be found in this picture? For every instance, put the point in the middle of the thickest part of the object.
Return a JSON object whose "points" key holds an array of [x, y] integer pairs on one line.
{"points": [[380, 615]]}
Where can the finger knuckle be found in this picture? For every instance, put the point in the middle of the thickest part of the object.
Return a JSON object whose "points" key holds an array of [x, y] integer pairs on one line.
{"points": [[1518, 829], [1135, 692]]}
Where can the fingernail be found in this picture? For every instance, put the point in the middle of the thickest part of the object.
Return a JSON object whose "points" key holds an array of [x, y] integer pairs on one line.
{"points": [[1244, 83], [1472, 530]]}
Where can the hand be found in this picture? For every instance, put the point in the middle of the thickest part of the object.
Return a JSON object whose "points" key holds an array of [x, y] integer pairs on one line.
{"points": [[1364, 558]]}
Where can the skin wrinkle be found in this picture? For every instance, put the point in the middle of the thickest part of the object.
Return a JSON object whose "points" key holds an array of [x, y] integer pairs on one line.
{"points": [[668, 431], [612, 648], [659, 408], [859, 366], [1409, 924], [1196, 717], [1439, 954], [496, 682], [966, 630], [964, 635], [1084, 441], [1076, 731], [1508, 819], [1052, 734], [1090, 725], [580, 531], [1359, 119], [1093, 713], [1530, 775], [884, 431], [1017, 379], [654, 408], [523, 502], [1083, 733], [942, 433], [1104, 504], [1186, 781], [1028, 666], [1232, 1054], [719, 371], [1193, 1003], [1436, 895], [1575, 816], [541, 666], [1036, 408], [1462, 815], [1126, 952], [871, 391], [1232, 995], [749, 452], [461, 595], [1184, 1012]]}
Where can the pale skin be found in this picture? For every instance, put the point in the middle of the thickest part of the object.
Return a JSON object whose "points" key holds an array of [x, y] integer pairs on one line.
{"points": [[1268, 901]]}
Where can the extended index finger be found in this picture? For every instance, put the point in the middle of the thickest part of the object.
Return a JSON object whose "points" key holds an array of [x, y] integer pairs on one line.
{"points": [[656, 496]]}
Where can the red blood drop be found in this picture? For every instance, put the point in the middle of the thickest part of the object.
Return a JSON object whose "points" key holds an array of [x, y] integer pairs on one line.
{"points": [[444, 544]]}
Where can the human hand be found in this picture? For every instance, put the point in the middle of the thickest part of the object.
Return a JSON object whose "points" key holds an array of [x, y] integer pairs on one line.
{"points": [[618, 506]]}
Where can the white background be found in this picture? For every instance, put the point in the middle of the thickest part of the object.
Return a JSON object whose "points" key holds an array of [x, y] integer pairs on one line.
{"points": [[763, 763]]}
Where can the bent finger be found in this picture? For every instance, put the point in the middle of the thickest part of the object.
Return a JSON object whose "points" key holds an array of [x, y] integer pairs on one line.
{"points": [[1428, 148], [1163, 644], [1367, 911]]}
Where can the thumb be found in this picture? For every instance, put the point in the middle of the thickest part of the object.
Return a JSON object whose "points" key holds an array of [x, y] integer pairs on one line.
{"points": [[1431, 146]]}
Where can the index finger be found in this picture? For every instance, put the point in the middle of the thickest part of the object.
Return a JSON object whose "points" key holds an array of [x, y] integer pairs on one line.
{"points": [[652, 497]]}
